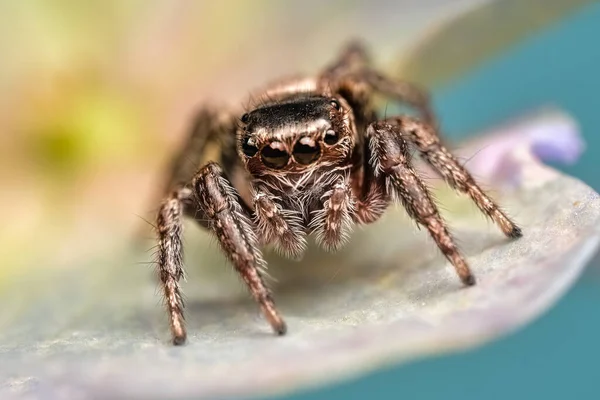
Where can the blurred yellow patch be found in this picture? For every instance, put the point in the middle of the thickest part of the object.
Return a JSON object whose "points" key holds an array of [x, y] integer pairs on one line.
{"points": [[83, 129]]}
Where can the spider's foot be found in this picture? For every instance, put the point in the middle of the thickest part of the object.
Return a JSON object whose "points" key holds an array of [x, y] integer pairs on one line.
{"points": [[515, 233], [281, 329], [179, 340], [278, 324], [468, 280]]}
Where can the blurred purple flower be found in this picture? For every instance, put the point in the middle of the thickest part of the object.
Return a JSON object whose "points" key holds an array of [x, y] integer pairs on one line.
{"points": [[500, 157]]}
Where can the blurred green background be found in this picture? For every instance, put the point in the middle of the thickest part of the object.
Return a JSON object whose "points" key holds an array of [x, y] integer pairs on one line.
{"points": [[93, 95]]}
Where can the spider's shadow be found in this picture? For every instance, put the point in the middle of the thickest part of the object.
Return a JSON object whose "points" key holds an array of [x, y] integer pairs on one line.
{"points": [[321, 278]]}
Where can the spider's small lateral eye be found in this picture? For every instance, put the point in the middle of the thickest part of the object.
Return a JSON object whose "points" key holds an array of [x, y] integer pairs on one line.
{"points": [[331, 137], [274, 155], [245, 118], [249, 149], [336, 104]]}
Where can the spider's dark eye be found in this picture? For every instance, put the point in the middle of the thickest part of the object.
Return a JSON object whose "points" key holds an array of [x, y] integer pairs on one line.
{"points": [[331, 137], [274, 155], [245, 118], [306, 150], [336, 104], [249, 149]]}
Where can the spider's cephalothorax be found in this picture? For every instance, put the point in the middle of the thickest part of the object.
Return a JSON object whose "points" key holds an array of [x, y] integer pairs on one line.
{"points": [[309, 156], [290, 145]]}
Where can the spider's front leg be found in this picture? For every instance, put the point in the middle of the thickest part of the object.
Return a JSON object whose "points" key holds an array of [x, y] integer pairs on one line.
{"points": [[424, 137], [278, 226], [170, 258], [390, 160], [219, 202]]}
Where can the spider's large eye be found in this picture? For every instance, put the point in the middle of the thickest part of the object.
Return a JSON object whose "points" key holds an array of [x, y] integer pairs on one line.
{"points": [[306, 150], [274, 155], [248, 147], [331, 137]]}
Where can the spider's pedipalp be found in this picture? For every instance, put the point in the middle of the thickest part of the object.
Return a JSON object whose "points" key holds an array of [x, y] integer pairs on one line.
{"points": [[332, 223], [281, 227]]}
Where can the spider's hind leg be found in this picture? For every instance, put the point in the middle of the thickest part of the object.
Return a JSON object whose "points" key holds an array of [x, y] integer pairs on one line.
{"points": [[353, 57], [209, 138], [404, 92], [354, 68]]}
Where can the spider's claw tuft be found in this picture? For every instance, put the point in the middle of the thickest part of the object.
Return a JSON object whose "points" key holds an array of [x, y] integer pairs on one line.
{"points": [[280, 328], [179, 340], [515, 233], [469, 280]]}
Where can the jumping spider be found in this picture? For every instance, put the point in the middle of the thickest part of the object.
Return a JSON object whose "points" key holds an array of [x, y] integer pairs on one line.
{"points": [[310, 156]]}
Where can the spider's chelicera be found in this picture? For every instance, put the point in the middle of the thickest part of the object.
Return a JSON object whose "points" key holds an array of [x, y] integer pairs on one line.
{"points": [[309, 156]]}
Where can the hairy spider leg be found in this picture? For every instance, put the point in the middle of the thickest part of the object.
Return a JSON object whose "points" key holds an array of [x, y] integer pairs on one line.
{"points": [[218, 202], [428, 143], [391, 160]]}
